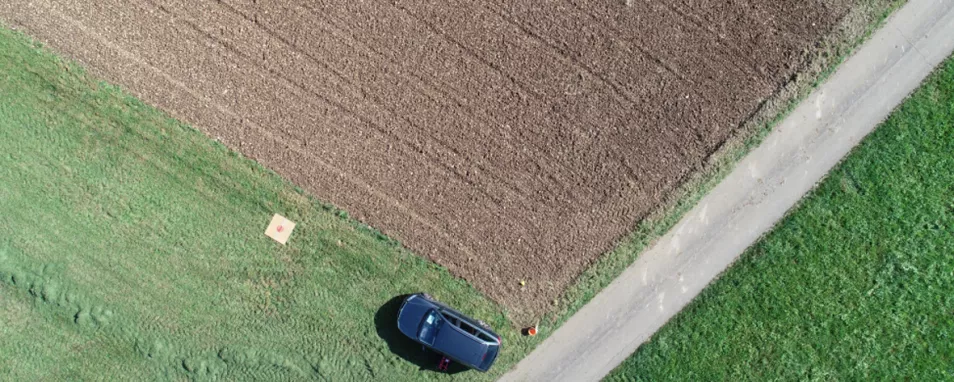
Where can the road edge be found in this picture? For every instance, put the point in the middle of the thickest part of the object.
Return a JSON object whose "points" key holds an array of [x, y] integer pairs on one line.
{"points": [[747, 203]]}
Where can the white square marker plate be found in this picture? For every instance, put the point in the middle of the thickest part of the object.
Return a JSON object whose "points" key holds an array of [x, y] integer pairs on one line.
{"points": [[280, 228]]}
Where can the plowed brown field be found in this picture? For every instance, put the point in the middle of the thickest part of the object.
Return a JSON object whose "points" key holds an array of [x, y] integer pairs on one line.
{"points": [[506, 140]]}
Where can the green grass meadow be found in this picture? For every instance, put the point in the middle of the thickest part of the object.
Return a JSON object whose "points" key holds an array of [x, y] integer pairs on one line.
{"points": [[132, 248], [856, 283]]}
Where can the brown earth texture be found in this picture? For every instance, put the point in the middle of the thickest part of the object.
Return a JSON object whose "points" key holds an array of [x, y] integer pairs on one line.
{"points": [[506, 140]]}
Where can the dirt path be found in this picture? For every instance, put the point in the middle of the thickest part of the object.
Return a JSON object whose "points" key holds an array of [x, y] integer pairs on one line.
{"points": [[506, 140], [763, 186]]}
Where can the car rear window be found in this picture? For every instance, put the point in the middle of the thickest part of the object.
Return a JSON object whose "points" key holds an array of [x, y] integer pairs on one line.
{"points": [[489, 357]]}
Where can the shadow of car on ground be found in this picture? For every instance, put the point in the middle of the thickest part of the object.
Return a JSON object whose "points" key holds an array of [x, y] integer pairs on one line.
{"points": [[385, 320]]}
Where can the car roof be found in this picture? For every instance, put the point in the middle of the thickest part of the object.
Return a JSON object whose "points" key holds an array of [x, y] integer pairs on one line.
{"points": [[492, 337], [455, 343], [448, 311]]}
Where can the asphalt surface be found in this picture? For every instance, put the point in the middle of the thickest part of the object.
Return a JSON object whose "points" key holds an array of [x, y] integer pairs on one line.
{"points": [[750, 200]]}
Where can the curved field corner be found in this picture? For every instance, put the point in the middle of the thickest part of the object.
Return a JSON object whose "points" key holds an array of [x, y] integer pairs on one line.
{"points": [[506, 141]]}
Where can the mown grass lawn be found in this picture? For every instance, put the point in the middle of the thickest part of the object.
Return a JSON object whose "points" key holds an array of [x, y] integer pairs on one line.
{"points": [[857, 283], [132, 248]]}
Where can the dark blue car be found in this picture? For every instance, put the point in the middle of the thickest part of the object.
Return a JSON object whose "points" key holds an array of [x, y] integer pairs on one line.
{"points": [[460, 338]]}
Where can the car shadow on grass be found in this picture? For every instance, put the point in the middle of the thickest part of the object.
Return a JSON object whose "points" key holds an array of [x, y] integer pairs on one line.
{"points": [[426, 360]]}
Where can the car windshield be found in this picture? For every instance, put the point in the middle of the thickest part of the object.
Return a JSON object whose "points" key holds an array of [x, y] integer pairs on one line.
{"points": [[432, 323]]}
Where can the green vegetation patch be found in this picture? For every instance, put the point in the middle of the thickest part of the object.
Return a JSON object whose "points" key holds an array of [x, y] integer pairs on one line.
{"points": [[132, 248], [857, 283]]}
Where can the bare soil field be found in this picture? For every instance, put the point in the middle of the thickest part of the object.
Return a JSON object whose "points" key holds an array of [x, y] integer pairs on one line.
{"points": [[505, 140]]}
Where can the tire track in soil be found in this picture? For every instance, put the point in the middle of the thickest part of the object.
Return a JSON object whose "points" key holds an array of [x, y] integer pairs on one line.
{"points": [[562, 114], [301, 87], [697, 113], [365, 93], [573, 50], [266, 134], [506, 140], [444, 144], [538, 156]]}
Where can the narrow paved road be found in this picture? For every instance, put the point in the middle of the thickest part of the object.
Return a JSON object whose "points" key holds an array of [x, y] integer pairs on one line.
{"points": [[758, 192]]}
